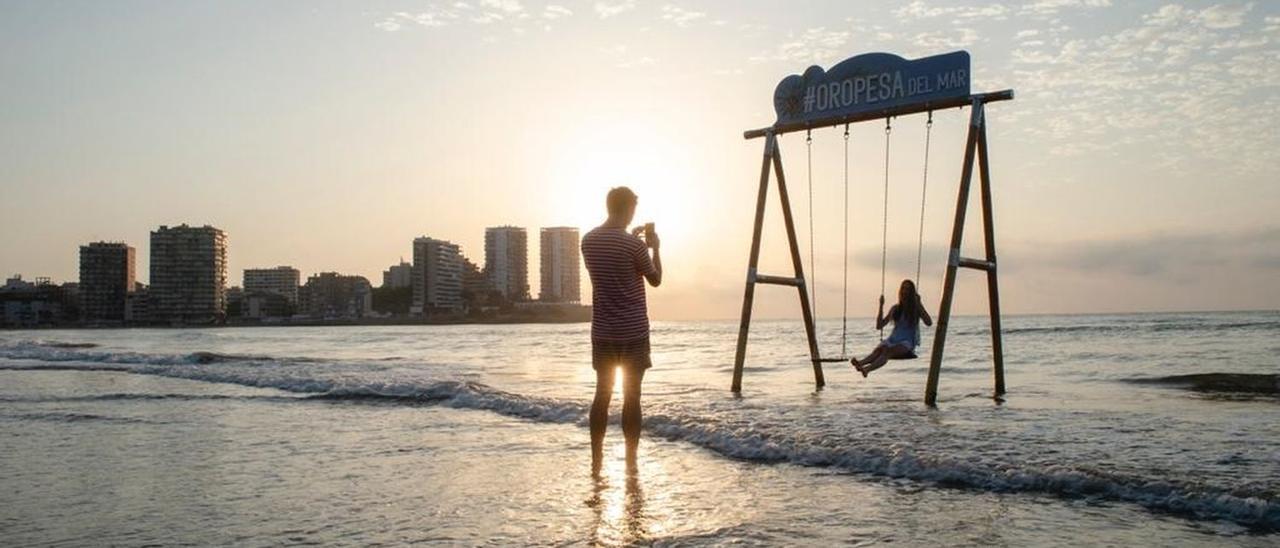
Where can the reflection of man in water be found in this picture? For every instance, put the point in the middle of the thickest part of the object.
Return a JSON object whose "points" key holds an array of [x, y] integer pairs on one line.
{"points": [[618, 263]]}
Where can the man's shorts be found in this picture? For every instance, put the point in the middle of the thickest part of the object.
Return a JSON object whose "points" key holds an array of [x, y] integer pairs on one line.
{"points": [[630, 354]]}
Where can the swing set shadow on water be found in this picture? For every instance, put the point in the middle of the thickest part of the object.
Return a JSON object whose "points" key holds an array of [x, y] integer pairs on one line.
{"points": [[868, 87]]}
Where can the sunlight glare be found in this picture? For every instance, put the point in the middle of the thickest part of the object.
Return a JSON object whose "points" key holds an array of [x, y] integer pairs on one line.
{"points": [[633, 154]]}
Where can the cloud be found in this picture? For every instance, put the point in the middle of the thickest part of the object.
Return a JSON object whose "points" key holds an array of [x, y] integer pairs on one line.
{"points": [[433, 16], [553, 11], [1046, 8], [1173, 77], [1170, 257], [614, 50], [510, 7], [922, 10], [680, 16], [943, 40], [1167, 258], [484, 12], [815, 45], [1224, 17], [609, 9], [620, 54]]}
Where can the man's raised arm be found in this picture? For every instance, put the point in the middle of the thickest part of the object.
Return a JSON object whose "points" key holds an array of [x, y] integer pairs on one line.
{"points": [[651, 239]]}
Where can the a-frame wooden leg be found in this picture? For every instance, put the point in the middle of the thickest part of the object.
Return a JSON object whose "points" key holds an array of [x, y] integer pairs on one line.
{"points": [[993, 288], [953, 256], [797, 264], [748, 296]]}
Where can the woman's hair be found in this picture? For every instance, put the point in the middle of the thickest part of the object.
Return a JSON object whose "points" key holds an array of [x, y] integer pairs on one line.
{"points": [[908, 308]]}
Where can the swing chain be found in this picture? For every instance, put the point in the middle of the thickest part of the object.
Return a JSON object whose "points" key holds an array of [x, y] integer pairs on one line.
{"points": [[924, 192], [844, 311], [813, 269], [884, 222]]}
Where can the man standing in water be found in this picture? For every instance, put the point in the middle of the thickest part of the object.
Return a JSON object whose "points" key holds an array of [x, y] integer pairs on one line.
{"points": [[619, 263]]}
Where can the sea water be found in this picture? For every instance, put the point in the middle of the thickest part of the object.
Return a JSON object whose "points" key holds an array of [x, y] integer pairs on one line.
{"points": [[1118, 429]]}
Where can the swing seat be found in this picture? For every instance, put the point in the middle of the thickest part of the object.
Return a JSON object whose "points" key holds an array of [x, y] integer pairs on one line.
{"points": [[910, 356]]}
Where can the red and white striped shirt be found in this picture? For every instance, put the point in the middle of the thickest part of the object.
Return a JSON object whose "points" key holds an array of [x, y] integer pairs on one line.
{"points": [[617, 263]]}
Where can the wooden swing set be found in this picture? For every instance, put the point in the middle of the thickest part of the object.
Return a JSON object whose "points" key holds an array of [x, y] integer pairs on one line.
{"points": [[862, 88]]}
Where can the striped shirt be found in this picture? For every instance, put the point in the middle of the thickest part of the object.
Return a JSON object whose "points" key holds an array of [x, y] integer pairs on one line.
{"points": [[617, 263]]}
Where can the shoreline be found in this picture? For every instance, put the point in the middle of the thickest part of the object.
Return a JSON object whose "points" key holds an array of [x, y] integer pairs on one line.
{"points": [[583, 316], [578, 315]]}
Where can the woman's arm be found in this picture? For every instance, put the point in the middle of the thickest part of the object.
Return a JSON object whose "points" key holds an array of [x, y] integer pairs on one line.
{"points": [[883, 320], [924, 313]]}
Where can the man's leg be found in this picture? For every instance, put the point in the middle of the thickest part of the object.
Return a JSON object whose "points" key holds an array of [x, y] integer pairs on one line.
{"points": [[631, 419], [600, 413]]}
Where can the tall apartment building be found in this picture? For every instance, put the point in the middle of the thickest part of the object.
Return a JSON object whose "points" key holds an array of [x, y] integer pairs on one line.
{"points": [[281, 280], [398, 275], [506, 261], [188, 274], [106, 279], [561, 280], [437, 277]]}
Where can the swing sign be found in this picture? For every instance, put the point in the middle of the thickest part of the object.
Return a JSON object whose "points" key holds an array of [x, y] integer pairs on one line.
{"points": [[870, 83]]}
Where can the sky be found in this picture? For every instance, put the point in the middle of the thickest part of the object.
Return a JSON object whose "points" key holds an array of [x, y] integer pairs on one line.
{"points": [[1136, 170]]}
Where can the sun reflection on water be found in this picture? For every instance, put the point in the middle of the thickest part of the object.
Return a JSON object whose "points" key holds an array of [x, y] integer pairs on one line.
{"points": [[624, 515]]}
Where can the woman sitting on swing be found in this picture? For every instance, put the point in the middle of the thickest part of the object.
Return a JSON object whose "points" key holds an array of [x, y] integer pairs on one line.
{"points": [[904, 338]]}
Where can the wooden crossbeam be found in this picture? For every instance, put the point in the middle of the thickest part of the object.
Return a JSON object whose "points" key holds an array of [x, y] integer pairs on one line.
{"points": [[976, 264], [778, 280]]}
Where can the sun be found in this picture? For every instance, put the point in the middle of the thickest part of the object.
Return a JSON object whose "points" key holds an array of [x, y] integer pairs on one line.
{"points": [[637, 155]]}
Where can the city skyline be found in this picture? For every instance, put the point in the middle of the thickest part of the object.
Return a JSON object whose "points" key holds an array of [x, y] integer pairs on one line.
{"points": [[1133, 142], [193, 286], [139, 269]]}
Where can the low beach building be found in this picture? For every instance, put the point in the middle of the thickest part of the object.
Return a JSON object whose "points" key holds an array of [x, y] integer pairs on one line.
{"points": [[398, 275], [329, 295], [281, 280]]}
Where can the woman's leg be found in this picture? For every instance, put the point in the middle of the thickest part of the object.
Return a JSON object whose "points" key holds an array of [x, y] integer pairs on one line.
{"points": [[870, 357], [888, 352]]}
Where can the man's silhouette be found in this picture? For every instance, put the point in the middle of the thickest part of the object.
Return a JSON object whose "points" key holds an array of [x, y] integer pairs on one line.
{"points": [[618, 263]]}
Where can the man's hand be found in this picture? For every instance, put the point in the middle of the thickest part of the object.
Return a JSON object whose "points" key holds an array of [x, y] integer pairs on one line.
{"points": [[651, 236]]}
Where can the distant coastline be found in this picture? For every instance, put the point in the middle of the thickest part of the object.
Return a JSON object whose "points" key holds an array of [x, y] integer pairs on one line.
{"points": [[557, 315]]}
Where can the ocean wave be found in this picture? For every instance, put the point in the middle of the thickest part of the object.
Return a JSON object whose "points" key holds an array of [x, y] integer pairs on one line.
{"points": [[56, 367], [1244, 383], [77, 352], [755, 441], [55, 416], [133, 397], [204, 357], [58, 344]]}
